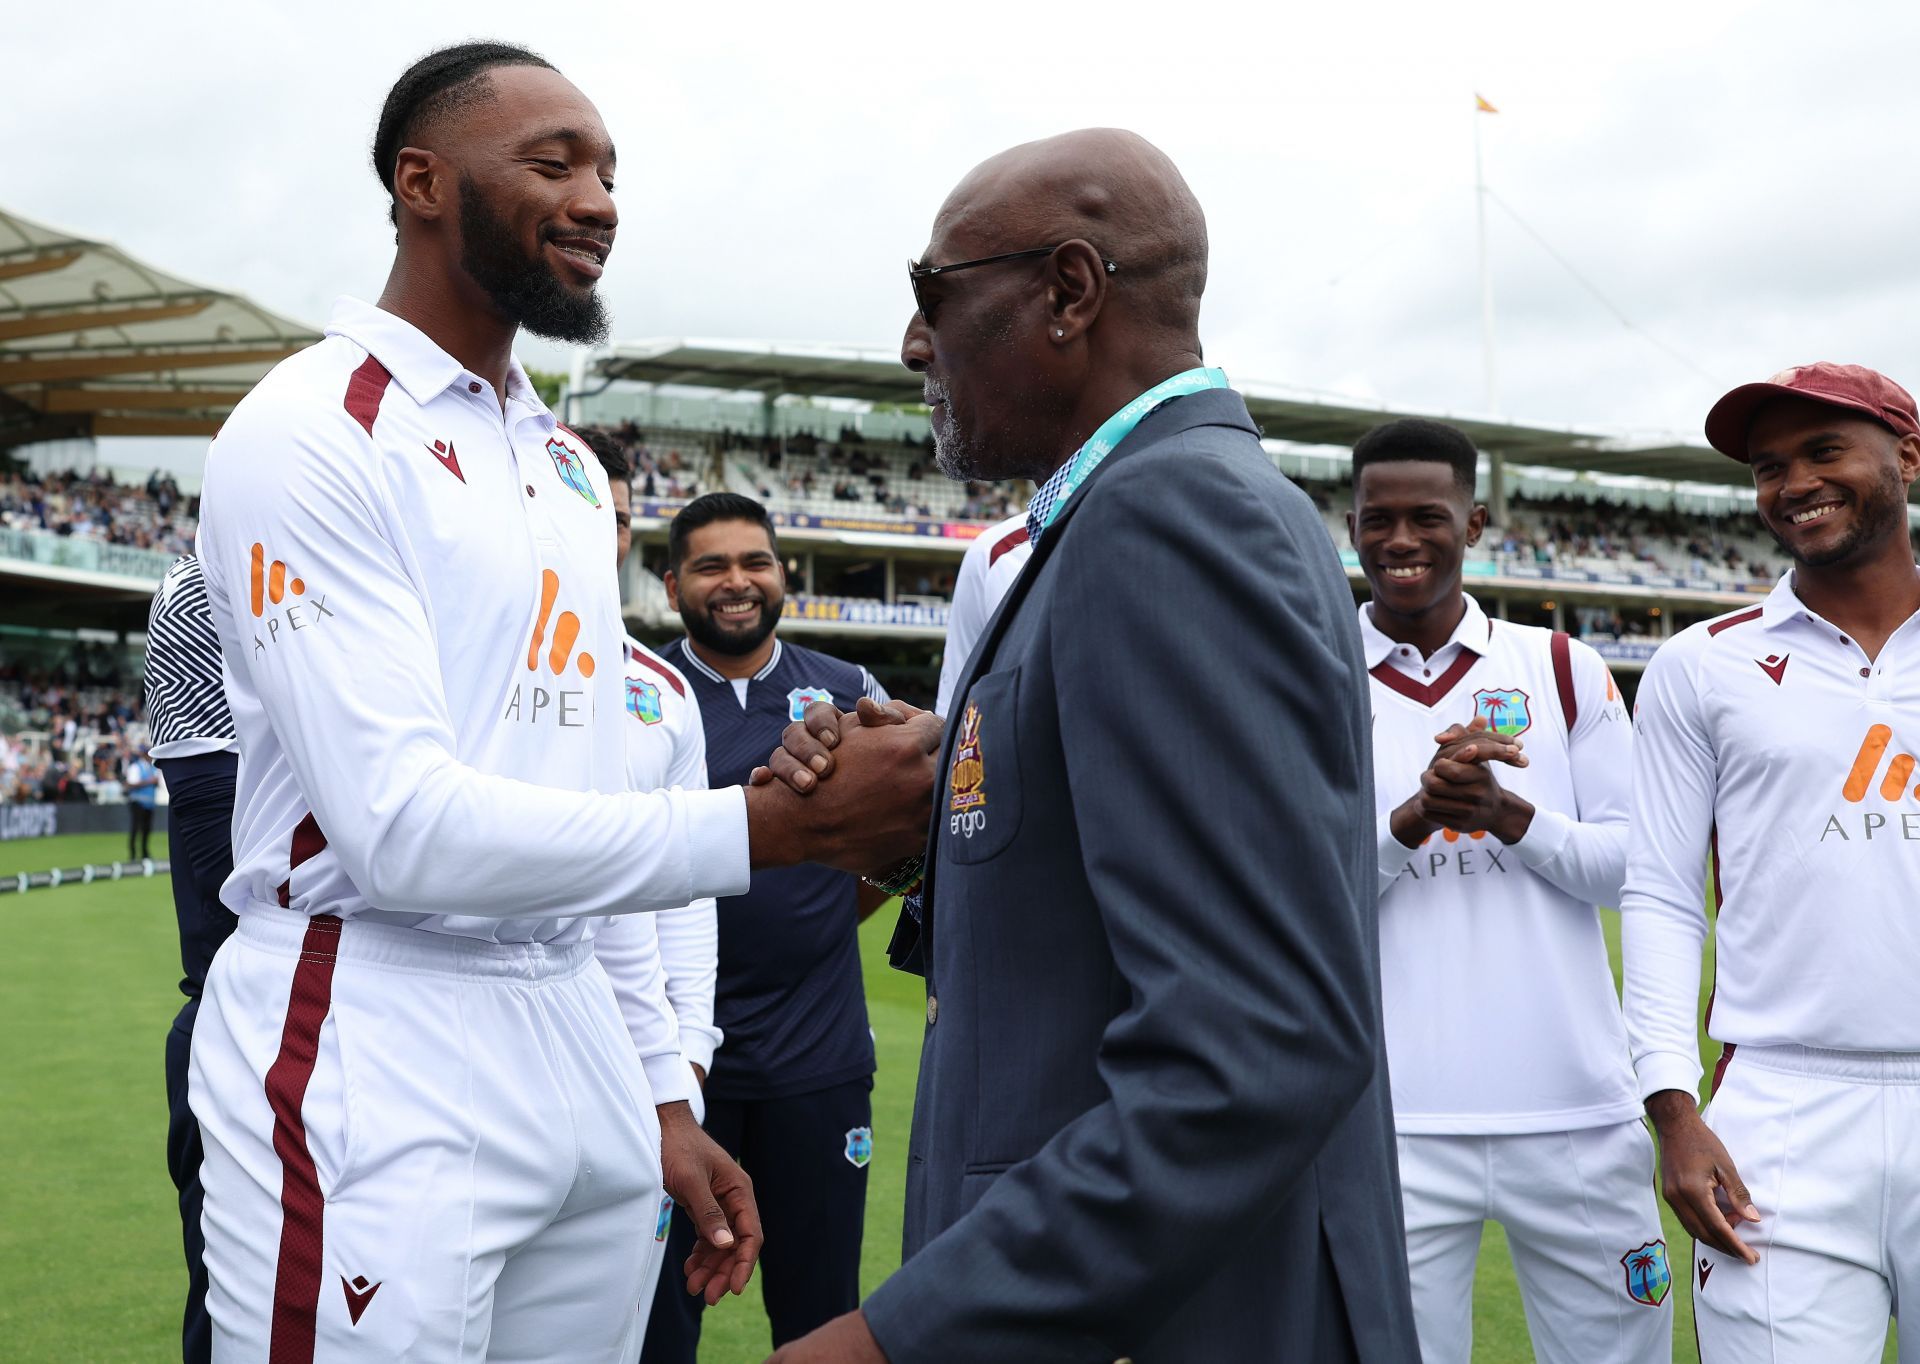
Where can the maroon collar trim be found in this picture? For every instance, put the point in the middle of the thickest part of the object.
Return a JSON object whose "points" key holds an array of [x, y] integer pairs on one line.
{"points": [[1428, 694]]}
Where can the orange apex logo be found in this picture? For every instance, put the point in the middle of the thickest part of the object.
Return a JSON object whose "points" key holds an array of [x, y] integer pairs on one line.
{"points": [[566, 630], [1867, 762], [270, 583], [1452, 836]]}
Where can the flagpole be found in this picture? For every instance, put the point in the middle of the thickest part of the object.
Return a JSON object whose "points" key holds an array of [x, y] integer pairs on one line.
{"points": [[1486, 278]]}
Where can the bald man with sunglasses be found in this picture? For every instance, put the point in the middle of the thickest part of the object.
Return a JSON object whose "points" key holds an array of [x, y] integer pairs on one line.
{"points": [[1152, 1120]]}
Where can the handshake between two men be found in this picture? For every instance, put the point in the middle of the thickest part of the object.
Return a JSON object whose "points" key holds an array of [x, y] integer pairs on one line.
{"points": [[875, 813]]}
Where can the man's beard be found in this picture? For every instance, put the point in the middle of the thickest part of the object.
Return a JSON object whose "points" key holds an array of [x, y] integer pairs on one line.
{"points": [[734, 643], [521, 286], [960, 454], [1882, 513], [954, 451]]}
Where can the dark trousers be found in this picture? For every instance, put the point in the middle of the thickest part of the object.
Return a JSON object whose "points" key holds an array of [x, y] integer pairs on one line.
{"points": [[183, 1163], [813, 1203], [141, 834], [201, 853]]}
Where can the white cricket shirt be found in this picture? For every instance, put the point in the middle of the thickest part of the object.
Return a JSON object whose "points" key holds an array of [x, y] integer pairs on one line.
{"points": [[987, 570], [663, 966], [1500, 1007], [1769, 736], [421, 627]]}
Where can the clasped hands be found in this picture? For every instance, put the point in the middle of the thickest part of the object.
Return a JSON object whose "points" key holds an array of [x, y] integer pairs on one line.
{"points": [[875, 810], [1459, 791]]}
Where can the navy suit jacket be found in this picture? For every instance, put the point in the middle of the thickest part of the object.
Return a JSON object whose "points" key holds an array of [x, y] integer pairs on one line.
{"points": [[1153, 1117]]}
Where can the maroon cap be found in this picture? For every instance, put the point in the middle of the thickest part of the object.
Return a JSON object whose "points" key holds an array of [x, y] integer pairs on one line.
{"points": [[1853, 387]]}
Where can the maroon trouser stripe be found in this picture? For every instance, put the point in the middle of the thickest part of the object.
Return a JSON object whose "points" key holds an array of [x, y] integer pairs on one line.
{"points": [[1720, 1068], [296, 1281]]}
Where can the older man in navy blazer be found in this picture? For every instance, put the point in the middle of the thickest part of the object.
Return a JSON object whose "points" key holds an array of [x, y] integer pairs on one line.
{"points": [[1153, 1115]]}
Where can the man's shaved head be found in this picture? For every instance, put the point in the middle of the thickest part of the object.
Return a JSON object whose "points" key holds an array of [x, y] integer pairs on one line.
{"points": [[1113, 188], [1023, 358]]}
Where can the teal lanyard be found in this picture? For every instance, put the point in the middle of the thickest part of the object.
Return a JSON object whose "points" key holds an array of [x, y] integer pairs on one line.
{"points": [[1120, 425]]}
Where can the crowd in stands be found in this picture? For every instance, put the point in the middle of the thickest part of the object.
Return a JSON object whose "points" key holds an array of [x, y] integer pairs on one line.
{"points": [[1668, 541], [67, 730], [95, 506], [851, 475], [807, 473], [1603, 622]]}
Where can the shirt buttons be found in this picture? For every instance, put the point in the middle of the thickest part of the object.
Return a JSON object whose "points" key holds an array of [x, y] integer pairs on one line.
{"points": [[529, 490], [1866, 672], [473, 388], [933, 1011]]}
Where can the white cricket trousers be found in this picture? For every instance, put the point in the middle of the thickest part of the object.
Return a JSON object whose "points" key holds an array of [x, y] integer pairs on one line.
{"points": [[1582, 1226], [420, 1147], [1828, 1143]]}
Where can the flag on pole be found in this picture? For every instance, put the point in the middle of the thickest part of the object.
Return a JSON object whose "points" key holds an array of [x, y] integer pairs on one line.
{"points": [[1480, 104]]}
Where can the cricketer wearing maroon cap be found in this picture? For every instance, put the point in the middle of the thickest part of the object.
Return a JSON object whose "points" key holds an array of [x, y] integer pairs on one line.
{"points": [[1824, 1069], [1854, 388]]}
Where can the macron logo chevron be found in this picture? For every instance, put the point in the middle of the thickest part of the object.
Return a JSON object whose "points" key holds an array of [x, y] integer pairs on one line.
{"points": [[1775, 666], [443, 451], [359, 1295]]}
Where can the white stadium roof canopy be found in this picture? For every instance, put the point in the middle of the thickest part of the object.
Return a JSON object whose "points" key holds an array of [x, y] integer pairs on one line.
{"points": [[96, 343], [1283, 413]]}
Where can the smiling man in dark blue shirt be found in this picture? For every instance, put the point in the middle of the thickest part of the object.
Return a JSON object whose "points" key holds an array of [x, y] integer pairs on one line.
{"points": [[790, 1094]]}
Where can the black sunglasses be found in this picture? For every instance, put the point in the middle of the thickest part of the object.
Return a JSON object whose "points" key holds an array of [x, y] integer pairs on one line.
{"points": [[917, 272]]}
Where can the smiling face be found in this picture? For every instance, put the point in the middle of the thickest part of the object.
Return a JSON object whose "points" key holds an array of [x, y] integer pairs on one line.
{"points": [[1411, 525], [1830, 486], [728, 587], [534, 168]]}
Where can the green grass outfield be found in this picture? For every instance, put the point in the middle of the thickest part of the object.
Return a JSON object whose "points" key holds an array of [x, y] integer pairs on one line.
{"points": [[89, 1237]]}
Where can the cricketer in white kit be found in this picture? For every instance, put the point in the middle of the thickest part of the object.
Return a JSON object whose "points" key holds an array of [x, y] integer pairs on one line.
{"points": [[1780, 741], [429, 1135], [1513, 1092]]}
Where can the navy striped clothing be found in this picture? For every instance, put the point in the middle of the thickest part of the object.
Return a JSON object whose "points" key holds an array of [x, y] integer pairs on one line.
{"points": [[186, 705], [789, 996]]}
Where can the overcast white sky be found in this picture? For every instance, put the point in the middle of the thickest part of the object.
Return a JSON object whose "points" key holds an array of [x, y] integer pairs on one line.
{"points": [[1741, 180]]}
